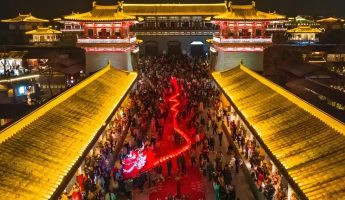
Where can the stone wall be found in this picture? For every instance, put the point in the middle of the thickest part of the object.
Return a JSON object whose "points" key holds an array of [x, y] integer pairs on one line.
{"points": [[97, 61], [229, 60]]}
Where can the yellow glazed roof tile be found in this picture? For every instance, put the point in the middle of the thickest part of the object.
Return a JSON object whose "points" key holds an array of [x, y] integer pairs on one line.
{"points": [[25, 18], [41, 148], [246, 12], [307, 143]]}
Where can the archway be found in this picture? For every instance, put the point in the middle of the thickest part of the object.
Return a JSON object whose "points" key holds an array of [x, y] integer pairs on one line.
{"points": [[174, 47], [197, 49], [151, 48]]}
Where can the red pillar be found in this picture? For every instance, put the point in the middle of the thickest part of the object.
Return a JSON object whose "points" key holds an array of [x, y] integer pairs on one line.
{"points": [[85, 29], [254, 30], [235, 29], [94, 30], [112, 30]]}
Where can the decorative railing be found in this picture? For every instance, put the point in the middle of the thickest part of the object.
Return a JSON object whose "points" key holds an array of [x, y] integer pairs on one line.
{"points": [[72, 30], [243, 40], [44, 41], [276, 29], [175, 32], [304, 40], [106, 40]]}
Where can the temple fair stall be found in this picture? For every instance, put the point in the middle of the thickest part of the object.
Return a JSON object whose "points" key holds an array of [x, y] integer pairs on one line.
{"points": [[44, 149], [290, 148], [102, 158], [12, 63]]}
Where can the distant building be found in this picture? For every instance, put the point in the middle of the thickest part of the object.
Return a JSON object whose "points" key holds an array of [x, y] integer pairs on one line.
{"points": [[242, 36], [24, 22], [304, 35], [294, 22], [332, 23], [44, 36], [174, 28], [18, 26], [106, 36]]}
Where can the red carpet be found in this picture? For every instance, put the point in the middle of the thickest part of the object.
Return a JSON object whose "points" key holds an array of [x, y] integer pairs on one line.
{"points": [[192, 183]]}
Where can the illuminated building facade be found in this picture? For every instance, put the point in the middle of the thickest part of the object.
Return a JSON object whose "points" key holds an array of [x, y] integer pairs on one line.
{"points": [[294, 22], [304, 35], [332, 23], [174, 28], [24, 22], [44, 36], [104, 34], [242, 36], [19, 25]]}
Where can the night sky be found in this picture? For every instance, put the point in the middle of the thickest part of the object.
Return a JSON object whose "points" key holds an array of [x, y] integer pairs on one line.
{"points": [[55, 8]]}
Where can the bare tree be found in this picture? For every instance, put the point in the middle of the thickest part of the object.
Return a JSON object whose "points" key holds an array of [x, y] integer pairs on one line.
{"points": [[47, 71]]}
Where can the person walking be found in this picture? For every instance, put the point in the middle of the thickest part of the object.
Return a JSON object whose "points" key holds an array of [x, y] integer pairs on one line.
{"points": [[210, 170], [209, 124], [220, 137], [192, 156], [227, 175], [169, 166], [160, 174], [211, 143], [214, 127], [216, 188], [183, 164]]}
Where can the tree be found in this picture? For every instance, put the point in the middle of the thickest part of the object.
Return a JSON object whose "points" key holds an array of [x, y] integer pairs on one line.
{"points": [[47, 70]]}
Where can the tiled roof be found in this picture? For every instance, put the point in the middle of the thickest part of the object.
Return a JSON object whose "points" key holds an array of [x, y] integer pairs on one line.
{"points": [[43, 31], [25, 18], [39, 150], [101, 13], [304, 29], [306, 144], [246, 12]]}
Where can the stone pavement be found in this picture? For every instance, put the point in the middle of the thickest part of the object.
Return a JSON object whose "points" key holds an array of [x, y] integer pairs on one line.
{"points": [[243, 191]]}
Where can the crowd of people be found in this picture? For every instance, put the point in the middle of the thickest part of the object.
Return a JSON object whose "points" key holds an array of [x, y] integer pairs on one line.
{"points": [[267, 180], [144, 117]]}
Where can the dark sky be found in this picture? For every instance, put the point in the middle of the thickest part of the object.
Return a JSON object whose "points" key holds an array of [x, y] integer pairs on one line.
{"points": [[55, 8]]}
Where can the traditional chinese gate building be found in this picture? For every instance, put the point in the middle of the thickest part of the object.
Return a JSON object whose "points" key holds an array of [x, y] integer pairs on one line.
{"points": [[242, 36], [104, 34]]}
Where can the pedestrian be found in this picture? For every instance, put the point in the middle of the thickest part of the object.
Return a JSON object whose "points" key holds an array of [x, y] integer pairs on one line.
{"points": [[209, 124], [220, 136], [183, 164], [141, 181], [210, 169], [169, 166], [152, 178], [160, 174], [214, 127], [216, 188], [227, 174], [237, 163], [211, 143], [192, 156]]}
